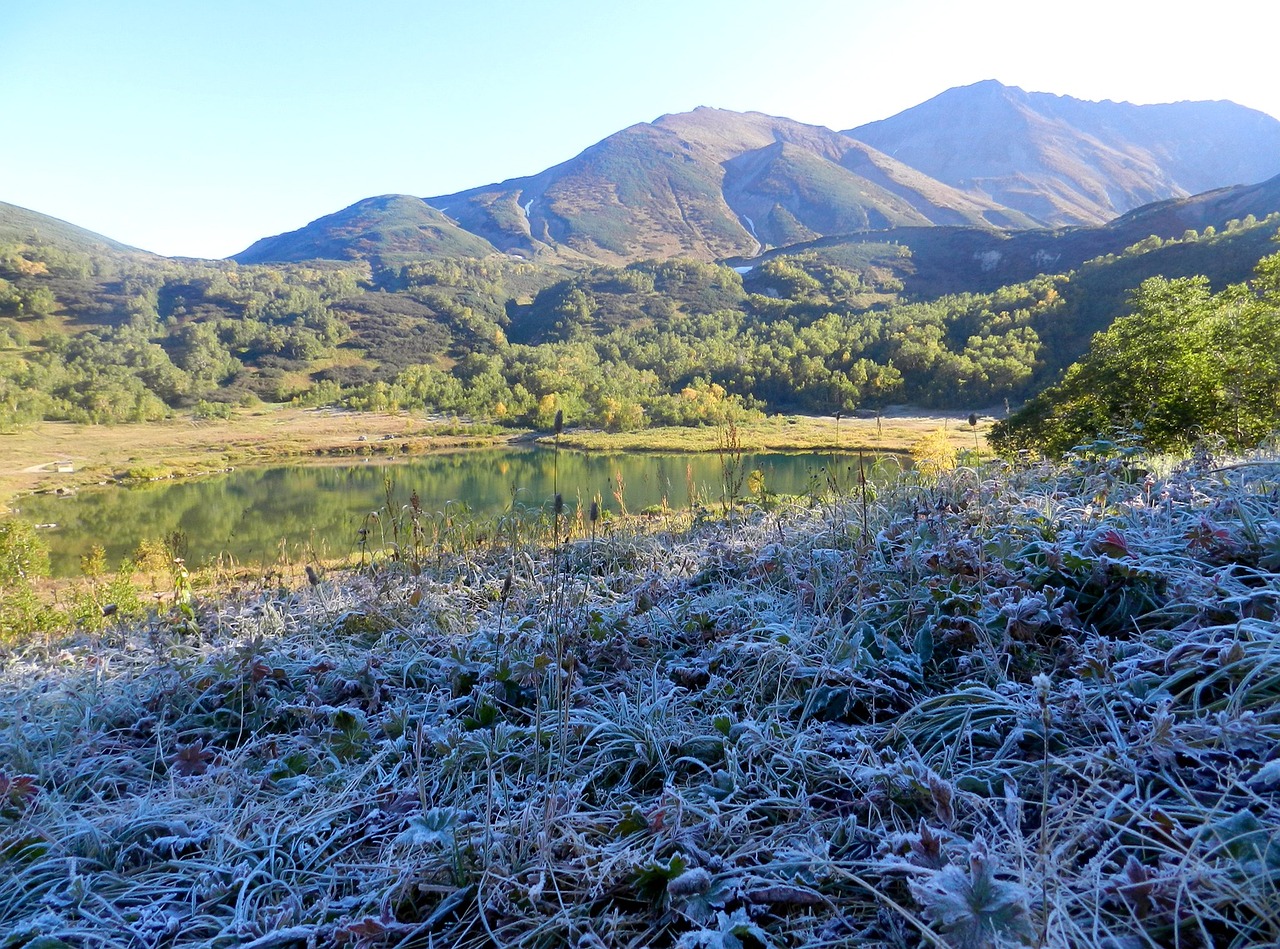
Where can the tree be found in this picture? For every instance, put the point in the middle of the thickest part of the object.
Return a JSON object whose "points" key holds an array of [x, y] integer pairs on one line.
{"points": [[1184, 364], [39, 301]]}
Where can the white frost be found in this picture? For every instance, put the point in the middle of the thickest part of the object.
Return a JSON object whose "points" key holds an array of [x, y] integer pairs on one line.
{"points": [[987, 259]]}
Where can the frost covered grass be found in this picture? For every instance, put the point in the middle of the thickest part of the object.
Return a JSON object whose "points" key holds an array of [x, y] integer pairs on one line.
{"points": [[1013, 707]]}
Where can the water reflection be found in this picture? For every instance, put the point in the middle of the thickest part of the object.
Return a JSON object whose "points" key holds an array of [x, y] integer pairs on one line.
{"points": [[315, 510]]}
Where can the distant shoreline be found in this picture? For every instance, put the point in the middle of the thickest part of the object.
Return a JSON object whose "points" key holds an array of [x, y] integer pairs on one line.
{"points": [[52, 456]]}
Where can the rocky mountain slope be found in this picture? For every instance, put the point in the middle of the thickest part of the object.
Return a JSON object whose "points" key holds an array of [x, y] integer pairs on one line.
{"points": [[1067, 161], [710, 183]]}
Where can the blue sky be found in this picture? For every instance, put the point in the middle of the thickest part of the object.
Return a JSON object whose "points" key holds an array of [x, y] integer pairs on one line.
{"points": [[195, 128]]}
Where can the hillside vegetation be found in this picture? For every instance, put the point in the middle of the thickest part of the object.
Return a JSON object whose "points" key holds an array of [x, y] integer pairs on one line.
{"points": [[21, 224], [839, 327], [1184, 365], [387, 230]]}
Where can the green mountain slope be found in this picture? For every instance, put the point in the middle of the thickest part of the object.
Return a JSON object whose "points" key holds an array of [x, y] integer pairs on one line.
{"points": [[788, 194], [936, 260], [386, 229], [23, 226]]}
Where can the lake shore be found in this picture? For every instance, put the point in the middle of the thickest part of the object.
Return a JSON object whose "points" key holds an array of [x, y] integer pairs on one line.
{"points": [[31, 458], [895, 431], [65, 456]]}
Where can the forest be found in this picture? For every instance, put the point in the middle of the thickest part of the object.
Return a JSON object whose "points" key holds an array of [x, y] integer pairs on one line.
{"points": [[107, 339]]}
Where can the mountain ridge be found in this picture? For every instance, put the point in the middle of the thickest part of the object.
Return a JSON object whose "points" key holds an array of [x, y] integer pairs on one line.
{"points": [[949, 259], [387, 228], [1071, 161], [22, 225], [714, 183]]}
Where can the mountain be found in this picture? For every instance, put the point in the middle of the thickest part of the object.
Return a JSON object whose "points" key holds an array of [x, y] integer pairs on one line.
{"points": [[709, 183], [1067, 161], [387, 229], [23, 226], [713, 183]]}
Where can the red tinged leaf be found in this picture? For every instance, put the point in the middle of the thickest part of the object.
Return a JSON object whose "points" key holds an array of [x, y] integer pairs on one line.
{"points": [[16, 794], [1111, 541], [190, 760]]}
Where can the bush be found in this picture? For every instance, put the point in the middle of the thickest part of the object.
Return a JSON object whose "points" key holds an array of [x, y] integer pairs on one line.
{"points": [[933, 454], [23, 554], [23, 558]]}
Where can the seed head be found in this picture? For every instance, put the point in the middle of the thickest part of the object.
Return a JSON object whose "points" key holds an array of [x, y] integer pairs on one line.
{"points": [[559, 505], [593, 514], [559, 424], [1042, 683]]}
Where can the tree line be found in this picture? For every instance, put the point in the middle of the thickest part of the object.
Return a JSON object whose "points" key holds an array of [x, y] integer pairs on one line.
{"points": [[657, 342]]}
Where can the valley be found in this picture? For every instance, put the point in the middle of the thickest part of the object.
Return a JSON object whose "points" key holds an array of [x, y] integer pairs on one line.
{"points": [[870, 286], [523, 566]]}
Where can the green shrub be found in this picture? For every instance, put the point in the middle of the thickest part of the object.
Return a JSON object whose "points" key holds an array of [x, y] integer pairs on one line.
{"points": [[23, 558]]}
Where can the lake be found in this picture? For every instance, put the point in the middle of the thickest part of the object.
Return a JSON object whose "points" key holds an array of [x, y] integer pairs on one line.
{"points": [[314, 511]]}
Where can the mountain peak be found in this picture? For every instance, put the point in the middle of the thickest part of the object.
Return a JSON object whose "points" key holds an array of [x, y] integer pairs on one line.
{"points": [[990, 86], [713, 183], [1069, 161]]}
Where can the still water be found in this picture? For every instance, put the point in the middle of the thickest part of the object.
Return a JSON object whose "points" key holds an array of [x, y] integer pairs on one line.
{"points": [[255, 515]]}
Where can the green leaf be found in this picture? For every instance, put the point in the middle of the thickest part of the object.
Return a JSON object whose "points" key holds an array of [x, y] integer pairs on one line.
{"points": [[923, 644], [976, 906], [1254, 845], [434, 828]]}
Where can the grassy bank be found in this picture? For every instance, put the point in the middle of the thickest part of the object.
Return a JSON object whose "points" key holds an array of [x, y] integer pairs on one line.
{"points": [[1031, 707], [29, 457], [895, 431]]}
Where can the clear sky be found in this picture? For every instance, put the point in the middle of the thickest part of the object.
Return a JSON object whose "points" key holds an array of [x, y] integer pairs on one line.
{"points": [[194, 128]]}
